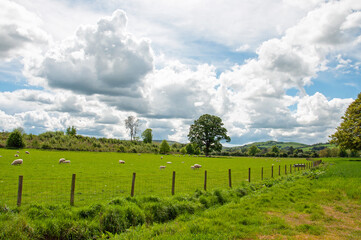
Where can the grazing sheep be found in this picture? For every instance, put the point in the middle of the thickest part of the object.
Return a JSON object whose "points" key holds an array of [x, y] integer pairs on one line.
{"points": [[16, 155], [169, 162], [121, 162], [161, 157], [192, 167], [66, 161], [162, 167], [27, 152], [197, 166], [17, 151], [17, 162], [61, 160]]}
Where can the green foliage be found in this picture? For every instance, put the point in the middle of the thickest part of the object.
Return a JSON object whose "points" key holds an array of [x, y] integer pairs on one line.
{"points": [[253, 150], [207, 132], [189, 148], [348, 134], [15, 140], [183, 150], [147, 135], [71, 131], [164, 147], [275, 150]]}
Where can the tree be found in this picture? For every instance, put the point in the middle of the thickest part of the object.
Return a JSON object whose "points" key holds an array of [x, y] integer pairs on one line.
{"points": [[71, 131], [132, 125], [253, 150], [275, 150], [348, 134], [147, 135], [207, 132], [15, 139], [189, 148], [164, 147]]}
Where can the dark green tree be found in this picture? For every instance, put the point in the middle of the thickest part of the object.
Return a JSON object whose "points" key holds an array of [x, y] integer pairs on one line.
{"points": [[253, 150], [147, 135], [71, 131], [348, 134], [207, 132], [164, 147], [189, 148], [275, 150], [15, 140]]}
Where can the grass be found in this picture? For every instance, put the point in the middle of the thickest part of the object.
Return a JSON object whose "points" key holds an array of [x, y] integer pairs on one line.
{"points": [[99, 176], [322, 203]]}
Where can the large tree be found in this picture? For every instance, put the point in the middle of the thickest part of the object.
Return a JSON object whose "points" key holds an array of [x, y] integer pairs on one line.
{"points": [[147, 135], [132, 125], [348, 134], [15, 139], [207, 132]]}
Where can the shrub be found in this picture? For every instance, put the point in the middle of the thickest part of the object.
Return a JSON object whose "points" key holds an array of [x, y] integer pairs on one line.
{"points": [[15, 140]]}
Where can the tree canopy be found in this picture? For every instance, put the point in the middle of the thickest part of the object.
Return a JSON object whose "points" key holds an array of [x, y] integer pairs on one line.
{"points": [[207, 132], [132, 125], [164, 147], [147, 135], [348, 134], [15, 140]]}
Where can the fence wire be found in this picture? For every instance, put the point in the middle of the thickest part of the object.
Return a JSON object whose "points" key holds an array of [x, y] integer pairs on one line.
{"points": [[98, 188]]}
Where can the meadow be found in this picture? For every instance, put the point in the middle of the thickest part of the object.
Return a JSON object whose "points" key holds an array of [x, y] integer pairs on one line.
{"points": [[100, 177]]}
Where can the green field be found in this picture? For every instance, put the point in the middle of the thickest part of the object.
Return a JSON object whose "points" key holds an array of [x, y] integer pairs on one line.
{"points": [[100, 177]]}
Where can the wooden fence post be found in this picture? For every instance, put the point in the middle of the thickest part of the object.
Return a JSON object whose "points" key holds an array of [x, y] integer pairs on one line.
{"points": [[20, 190], [290, 168], [133, 185], [262, 174], [272, 172], [249, 174], [72, 190], [285, 169], [279, 170], [205, 180], [229, 178], [173, 182]]}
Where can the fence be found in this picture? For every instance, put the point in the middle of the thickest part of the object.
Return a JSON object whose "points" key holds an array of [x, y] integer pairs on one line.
{"points": [[81, 190]]}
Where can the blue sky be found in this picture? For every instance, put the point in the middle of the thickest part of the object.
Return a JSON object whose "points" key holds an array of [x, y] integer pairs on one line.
{"points": [[282, 70]]}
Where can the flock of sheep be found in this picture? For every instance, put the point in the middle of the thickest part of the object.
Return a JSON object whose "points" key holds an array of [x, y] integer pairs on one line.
{"points": [[195, 166], [63, 160]]}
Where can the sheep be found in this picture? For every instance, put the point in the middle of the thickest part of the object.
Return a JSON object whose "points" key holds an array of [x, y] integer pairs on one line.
{"points": [[161, 157], [17, 162], [17, 151], [169, 162], [66, 161], [27, 152], [121, 162], [192, 167], [162, 167], [61, 160], [16, 155], [196, 166]]}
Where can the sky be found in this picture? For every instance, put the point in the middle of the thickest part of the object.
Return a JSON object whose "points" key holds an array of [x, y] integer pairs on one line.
{"points": [[283, 70]]}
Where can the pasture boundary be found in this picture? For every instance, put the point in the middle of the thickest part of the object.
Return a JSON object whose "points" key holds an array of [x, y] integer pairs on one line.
{"points": [[296, 167]]}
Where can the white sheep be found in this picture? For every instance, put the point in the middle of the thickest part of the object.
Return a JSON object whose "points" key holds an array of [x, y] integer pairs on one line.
{"points": [[121, 162], [17, 162], [16, 155], [196, 166], [169, 162], [17, 151], [61, 160], [27, 152], [192, 167], [66, 161], [162, 167], [161, 157]]}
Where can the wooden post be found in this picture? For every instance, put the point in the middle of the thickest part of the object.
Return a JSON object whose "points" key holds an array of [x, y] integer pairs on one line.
{"points": [[249, 174], [229, 178], [173, 182], [272, 172], [72, 190], [285, 169], [20, 190], [205, 180], [279, 170], [290, 168], [262, 174], [133, 184]]}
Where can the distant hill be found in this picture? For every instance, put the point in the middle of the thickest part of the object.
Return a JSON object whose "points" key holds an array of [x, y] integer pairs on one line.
{"points": [[282, 146]]}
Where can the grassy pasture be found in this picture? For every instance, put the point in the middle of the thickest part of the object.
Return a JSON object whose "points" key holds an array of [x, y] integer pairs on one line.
{"points": [[100, 177]]}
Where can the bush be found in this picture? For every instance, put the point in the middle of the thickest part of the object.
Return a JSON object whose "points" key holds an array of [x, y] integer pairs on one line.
{"points": [[15, 140]]}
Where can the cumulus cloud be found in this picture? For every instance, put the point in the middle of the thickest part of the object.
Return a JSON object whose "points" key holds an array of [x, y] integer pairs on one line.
{"points": [[20, 31], [103, 59]]}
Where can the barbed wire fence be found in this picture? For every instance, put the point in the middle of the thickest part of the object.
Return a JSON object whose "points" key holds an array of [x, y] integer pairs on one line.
{"points": [[79, 189]]}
